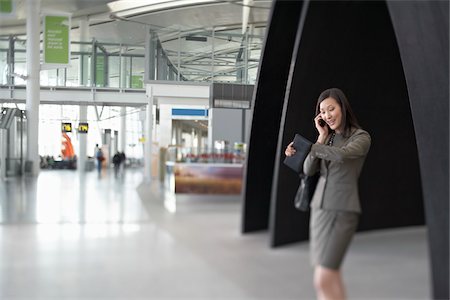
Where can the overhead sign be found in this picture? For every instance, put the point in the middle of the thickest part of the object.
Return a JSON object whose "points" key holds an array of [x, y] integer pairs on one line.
{"points": [[83, 127], [183, 112], [8, 9], [57, 40], [66, 127], [100, 71], [136, 82], [6, 6]]}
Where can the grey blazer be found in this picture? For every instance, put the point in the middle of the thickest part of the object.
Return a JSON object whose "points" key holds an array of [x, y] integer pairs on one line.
{"points": [[340, 167]]}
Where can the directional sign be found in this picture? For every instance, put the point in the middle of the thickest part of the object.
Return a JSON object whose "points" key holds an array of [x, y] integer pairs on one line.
{"points": [[83, 127], [66, 127]]}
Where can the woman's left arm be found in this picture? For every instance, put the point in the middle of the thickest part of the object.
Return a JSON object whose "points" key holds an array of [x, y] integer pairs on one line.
{"points": [[357, 147]]}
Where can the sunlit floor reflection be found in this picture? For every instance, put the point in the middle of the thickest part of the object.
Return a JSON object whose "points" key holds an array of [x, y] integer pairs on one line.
{"points": [[66, 236], [66, 196], [76, 232]]}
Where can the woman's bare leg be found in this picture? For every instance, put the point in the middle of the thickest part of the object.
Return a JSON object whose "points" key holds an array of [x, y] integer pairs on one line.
{"points": [[329, 284]]}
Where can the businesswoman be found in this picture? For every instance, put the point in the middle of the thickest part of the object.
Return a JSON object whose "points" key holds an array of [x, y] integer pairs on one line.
{"points": [[338, 154]]}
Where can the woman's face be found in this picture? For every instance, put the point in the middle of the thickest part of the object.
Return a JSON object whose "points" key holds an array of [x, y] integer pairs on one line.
{"points": [[331, 113]]}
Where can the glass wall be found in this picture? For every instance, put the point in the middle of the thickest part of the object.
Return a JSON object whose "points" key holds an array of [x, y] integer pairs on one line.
{"points": [[4, 61], [52, 116]]}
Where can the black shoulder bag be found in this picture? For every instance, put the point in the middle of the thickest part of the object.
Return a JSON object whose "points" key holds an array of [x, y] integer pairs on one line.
{"points": [[295, 162], [305, 191]]}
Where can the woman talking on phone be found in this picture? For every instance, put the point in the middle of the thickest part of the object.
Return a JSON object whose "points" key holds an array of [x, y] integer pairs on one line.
{"points": [[338, 154]]}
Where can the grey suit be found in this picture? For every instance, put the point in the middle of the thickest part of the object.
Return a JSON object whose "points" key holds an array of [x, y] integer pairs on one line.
{"points": [[335, 204], [340, 166]]}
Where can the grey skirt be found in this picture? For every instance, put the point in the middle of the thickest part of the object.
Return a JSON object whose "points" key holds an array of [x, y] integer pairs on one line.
{"points": [[330, 235]]}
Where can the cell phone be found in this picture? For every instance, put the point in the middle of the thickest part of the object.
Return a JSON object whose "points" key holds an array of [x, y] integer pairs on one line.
{"points": [[322, 123]]}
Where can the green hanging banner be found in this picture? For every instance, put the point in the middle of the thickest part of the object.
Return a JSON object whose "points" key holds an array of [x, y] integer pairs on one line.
{"points": [[100, 71], [6, 6], [136, 82], [57, 40]]}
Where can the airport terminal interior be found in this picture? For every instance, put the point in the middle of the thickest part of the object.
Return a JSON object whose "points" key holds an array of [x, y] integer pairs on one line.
{"points": [[124, 131]]}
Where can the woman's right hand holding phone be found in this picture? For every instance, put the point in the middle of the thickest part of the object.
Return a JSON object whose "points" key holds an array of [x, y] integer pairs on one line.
{"points": [[322, 128]]}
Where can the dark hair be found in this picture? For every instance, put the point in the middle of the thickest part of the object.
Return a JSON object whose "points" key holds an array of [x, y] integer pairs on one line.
{"points": [[348, 117]]}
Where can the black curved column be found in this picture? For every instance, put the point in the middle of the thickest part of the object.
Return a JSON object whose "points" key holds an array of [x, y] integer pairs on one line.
{"points": [[267, 106], [352, 45], [391, 59], [422, 30]]}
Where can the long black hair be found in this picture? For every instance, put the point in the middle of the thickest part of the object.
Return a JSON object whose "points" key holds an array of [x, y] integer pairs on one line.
{"points": [[348, 117]]}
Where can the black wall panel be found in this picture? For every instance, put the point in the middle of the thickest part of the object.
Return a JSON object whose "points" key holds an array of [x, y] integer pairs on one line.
{"points": [[351, 45], [391, 59], [267, 106], [422, 30]]}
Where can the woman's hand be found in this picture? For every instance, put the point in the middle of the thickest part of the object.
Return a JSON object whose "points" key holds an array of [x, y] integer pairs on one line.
{"points": [[323, 130], [290, 150]]}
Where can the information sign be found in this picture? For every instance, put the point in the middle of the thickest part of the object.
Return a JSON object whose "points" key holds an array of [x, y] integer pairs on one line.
{"points": [[83, 127], [56, 40]]}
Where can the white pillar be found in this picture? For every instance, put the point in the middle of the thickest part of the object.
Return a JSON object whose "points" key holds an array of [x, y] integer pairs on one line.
{"points": [[84, 37], [82, 137], [199, 141], [3, 150], [123, 69], [107, 141], [123, 110], [123, 129], [148, 140], [33, 84], [82, 141]]}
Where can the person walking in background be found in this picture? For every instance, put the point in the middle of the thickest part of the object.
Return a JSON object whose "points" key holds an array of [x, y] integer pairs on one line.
{"points": [[338, 154], [117, 159], [122, 162], [100, 158]]}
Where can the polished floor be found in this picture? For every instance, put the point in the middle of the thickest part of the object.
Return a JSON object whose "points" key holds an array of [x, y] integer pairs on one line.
{"points": [[66, 236]]}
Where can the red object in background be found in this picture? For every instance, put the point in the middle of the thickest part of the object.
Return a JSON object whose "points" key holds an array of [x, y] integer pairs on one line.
{"points": [[67, 148]]}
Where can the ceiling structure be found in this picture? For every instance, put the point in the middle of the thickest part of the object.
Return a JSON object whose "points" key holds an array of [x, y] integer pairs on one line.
{"points": [[217, 26], [127, 26]]}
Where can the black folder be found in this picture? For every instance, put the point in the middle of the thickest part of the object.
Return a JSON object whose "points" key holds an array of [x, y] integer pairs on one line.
{"points": [[302, 148]]}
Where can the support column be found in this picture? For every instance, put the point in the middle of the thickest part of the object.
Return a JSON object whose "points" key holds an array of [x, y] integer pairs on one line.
{"points": [[115, 143], [246, 55], [212, 53], [150, 54], [107, 141], [82, 141], [148, 139], [123, 68], [199, 141], [3, 143], [82, 81], [33, 84], [178, 133], [123, 110], [84, 37], [179, 57], [123, 129]]}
